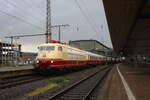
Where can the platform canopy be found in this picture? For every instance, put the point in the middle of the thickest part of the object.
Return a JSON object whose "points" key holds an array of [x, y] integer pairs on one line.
{"points": [[129, 25]]}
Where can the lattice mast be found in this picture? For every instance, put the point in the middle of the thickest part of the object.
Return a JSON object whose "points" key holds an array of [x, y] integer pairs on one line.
{"points": [[48, 22]]}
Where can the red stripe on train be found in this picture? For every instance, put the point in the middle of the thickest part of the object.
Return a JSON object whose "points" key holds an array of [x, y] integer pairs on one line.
{"points": [[59, 63]]}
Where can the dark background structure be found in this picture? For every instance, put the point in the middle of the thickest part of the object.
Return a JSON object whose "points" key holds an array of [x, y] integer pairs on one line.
{"points": [[92, 46], [129, 25]]}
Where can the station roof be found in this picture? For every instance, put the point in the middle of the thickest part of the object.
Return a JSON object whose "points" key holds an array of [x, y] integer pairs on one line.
{"points": [[129, 25]]}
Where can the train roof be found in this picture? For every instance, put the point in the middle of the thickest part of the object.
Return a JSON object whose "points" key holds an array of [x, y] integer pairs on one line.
{"points": [[57, 43], [93, 54]]}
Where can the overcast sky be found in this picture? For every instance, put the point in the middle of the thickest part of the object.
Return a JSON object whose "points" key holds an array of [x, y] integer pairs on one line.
{"points": [[18, 17]]}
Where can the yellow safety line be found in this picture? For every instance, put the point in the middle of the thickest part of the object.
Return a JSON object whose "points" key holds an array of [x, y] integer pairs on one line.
{"points": [[42, 90]]}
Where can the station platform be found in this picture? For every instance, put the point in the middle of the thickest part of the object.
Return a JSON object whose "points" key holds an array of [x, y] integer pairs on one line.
{"points": [[129, 83], [15, 68]]}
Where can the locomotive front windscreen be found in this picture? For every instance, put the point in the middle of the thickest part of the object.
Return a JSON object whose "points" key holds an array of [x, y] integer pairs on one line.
{"points": [[46, 48]]}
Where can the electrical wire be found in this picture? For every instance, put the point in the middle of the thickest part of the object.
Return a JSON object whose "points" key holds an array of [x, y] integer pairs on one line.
{"points": [[86, 17], [88, 20], [31, 4], [21, 10], [100, 27], [20, 19], [42, 11]]}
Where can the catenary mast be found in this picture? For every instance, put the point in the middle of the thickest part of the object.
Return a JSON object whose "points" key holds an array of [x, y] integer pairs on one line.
{"points": [[48, 22]]}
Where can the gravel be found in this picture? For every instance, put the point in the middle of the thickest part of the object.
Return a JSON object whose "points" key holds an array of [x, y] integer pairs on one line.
{"points": [[20, 92]]}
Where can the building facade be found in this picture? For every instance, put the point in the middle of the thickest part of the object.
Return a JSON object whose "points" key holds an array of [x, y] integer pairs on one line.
{"points": [[9, 53], [91, 46]]}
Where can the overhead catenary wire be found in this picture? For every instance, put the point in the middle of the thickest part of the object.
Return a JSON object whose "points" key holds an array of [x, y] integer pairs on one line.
{"points": [[30, 35], [20, 19], [34, 7], [90, 15], [42, 12], [78, 4], [86, 17], [100, 27], [101, 6], [22, 11]]}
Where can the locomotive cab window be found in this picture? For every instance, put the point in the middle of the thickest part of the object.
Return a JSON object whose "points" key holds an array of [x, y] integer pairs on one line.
{"points": [[50, 48], [46, 48], [59, 48]]}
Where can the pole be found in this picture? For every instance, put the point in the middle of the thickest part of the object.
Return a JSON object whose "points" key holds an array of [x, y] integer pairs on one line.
{"points": [[11, 39], [59, 27], [48, 21], [59, 33]]}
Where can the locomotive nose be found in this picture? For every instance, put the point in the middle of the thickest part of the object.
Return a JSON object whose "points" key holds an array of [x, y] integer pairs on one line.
{"points": [[44, 63]]}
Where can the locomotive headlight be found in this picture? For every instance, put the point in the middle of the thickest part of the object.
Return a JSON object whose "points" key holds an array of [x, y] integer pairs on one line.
{"points": [[52, 61], [37, 61]]}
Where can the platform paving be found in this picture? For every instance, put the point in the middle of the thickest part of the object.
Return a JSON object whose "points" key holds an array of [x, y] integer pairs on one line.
{"points": [[127, 83], [115, 87], [138, 79], [15, 68]]}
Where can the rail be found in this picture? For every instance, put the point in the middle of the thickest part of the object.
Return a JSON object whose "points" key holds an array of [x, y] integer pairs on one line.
{"points": [[82, 89]]}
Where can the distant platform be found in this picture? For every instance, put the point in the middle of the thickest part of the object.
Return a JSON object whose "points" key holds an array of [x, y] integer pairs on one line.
{"points": [[16, 68]]}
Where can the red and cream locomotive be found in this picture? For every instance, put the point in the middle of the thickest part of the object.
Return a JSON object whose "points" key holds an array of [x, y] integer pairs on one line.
{"points": [[56, 55]]}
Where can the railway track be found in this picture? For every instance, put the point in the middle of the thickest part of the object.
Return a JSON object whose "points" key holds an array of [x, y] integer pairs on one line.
{"points": [[7, 83], [11, 74], [82, 89], [18, 79]]}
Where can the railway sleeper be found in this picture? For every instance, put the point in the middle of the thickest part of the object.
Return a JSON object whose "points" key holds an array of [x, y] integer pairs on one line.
{"points": [[74, 95], [70, 98]]}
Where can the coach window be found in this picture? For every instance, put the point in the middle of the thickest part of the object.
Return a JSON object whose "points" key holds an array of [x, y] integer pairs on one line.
{"points": [[59, 48]]}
